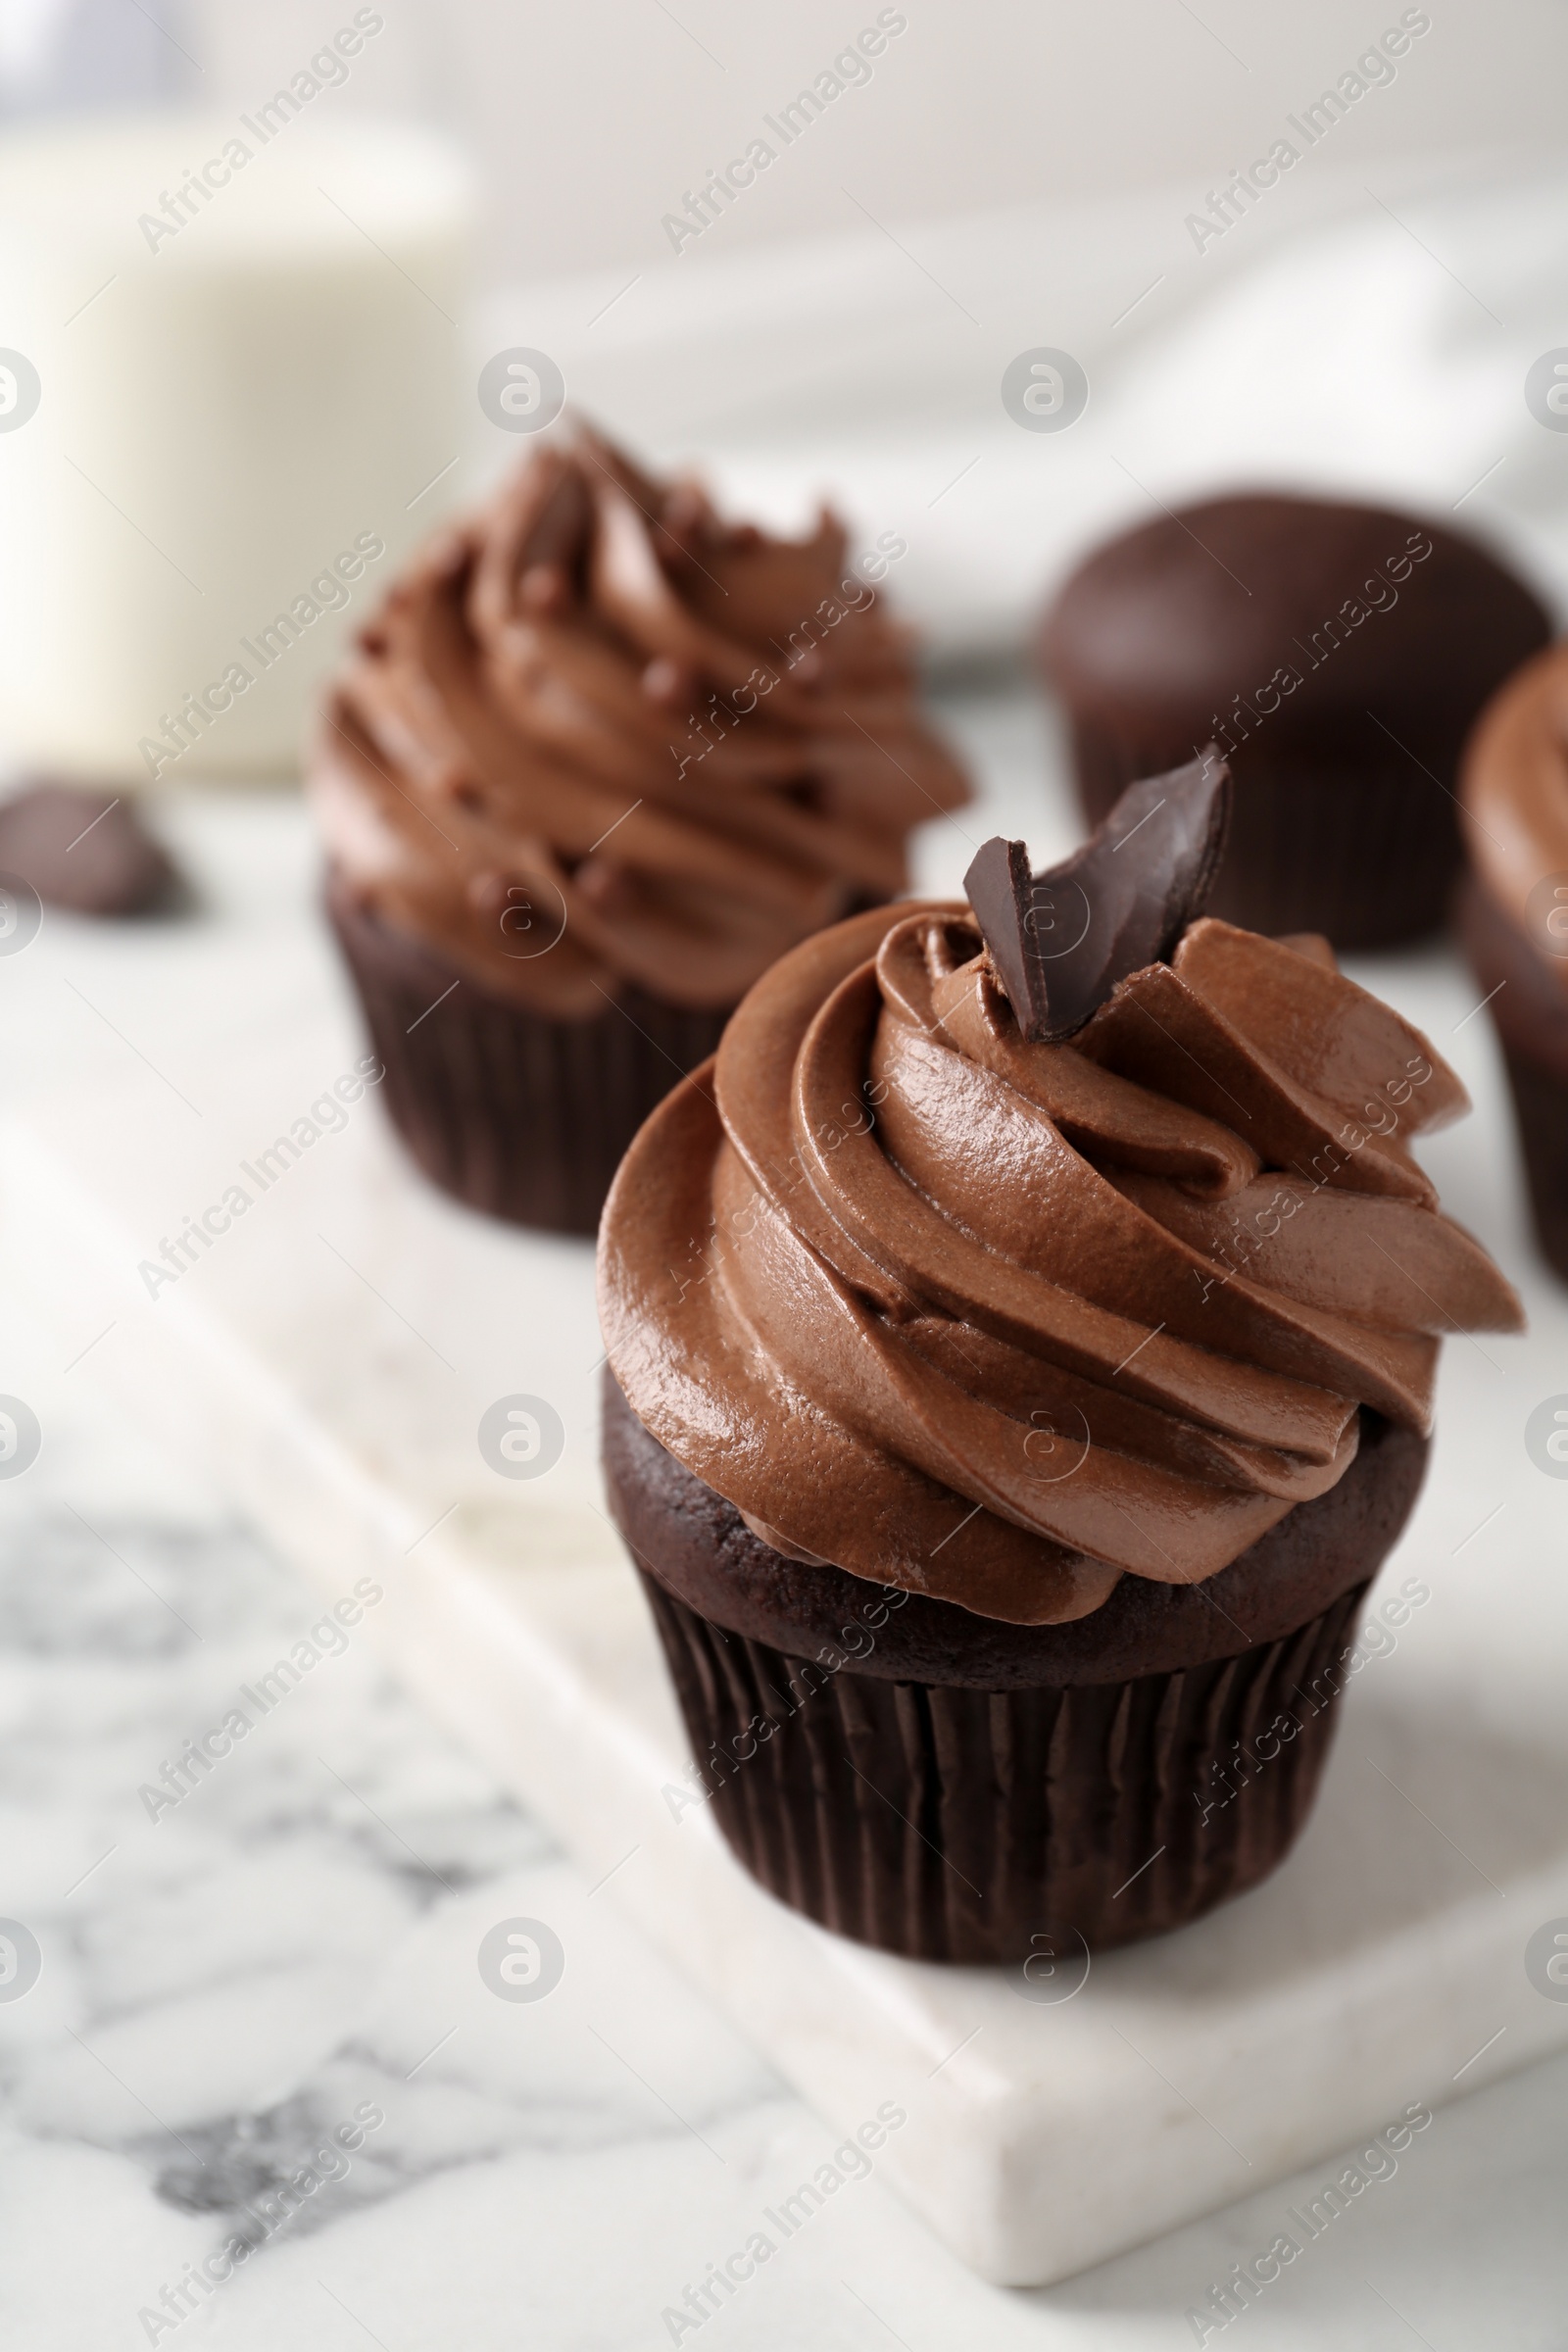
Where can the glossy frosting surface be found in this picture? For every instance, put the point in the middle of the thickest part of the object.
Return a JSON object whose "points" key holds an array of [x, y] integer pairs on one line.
{"points": [[598, 736], [1000, 1321]]}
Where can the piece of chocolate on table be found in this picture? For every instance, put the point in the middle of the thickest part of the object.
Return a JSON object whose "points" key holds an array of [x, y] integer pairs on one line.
{"points": [[83, 848], [1060, 941]]}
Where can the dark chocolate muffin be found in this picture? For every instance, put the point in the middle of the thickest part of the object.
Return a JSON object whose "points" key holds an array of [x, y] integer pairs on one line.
{"points": [[1006, 1431], [1336, 653], [598, 759], [1105, 1779], [1513, 916]]}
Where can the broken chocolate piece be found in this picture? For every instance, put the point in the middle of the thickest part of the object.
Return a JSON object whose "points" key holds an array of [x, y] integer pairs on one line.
{"points": [[83, 848], [1060, 941]]}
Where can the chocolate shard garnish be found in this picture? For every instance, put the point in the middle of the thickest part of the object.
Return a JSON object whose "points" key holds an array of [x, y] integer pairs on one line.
{"points": [[1060, 941], [83, 848]]}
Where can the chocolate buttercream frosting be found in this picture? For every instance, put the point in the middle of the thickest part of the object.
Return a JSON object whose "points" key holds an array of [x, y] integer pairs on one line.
{"points": [[1514, 800], [1000, 1321], [598, 736]]}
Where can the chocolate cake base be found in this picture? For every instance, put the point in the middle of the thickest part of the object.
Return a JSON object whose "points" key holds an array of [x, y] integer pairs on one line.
{"points": [[1339, 655], [1529, 1011], [951, 1789], [517, 1114]]}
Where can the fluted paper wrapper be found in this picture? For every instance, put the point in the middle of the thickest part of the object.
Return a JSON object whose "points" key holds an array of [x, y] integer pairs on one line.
{"points": [[1363, 849], [987, 1826], [524, 1117]]}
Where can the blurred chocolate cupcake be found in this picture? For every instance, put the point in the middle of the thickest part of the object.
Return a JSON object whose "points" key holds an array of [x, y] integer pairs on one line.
{"points": [[1020, 1361], [601, 757], [1513, 916], [1337, 655]]}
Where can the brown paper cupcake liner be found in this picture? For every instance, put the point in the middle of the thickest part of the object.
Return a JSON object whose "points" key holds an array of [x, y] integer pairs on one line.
{"points": [[974, 1826], [522, 1116], [1363, 849]]}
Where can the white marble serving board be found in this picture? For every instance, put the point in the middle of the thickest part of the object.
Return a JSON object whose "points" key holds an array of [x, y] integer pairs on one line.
{"points": [[331, 1354]]}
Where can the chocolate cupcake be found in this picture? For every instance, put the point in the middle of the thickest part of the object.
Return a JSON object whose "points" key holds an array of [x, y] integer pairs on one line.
{"points": [[1005, 1430], [1337, 655], [1513, 916], [599, 759]]}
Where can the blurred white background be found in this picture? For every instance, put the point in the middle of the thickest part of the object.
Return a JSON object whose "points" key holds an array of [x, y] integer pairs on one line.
{"points": [[1006, 178], [587, 122]]}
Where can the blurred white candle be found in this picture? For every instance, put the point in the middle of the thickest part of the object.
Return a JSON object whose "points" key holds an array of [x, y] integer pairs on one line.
{"points": [[250, 368]]}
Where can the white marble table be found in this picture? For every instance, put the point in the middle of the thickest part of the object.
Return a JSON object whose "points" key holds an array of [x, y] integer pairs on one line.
{"points": [[296, 1939]]}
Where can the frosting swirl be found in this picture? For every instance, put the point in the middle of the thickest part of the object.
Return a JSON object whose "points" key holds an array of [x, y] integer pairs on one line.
{"points": [[596, 736], [999, 1321], [1514, 800]]}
